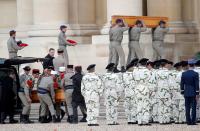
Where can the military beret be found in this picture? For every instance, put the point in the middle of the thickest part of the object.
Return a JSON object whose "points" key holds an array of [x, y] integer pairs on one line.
{"points": [[91, 66], [135, 61], [35, 71], [110, 65], [170, 62], [70, 66], [12, 32], [197, 63], [177, 65], [50, 68], [130, 65], [143, 60], [62, 27], [157, 62], [150, 63], [60, 50], [163, 61], [27, 68]]}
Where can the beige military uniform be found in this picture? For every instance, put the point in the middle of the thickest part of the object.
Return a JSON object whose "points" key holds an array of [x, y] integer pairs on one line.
{"points": [[116, 36], [59, 61], [68, 86], [46, 95], [158, 42], [24, 94], [62, 41], [134, 46], [13, 47]]}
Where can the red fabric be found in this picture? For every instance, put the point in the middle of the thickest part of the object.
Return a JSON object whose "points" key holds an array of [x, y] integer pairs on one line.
{"points": [[30, 83], [72, 42], [55, 85], [23, 45], [62, 75]]}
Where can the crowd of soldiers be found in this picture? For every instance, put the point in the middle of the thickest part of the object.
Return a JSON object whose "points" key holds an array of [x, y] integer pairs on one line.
{"points": [[151, 91]]}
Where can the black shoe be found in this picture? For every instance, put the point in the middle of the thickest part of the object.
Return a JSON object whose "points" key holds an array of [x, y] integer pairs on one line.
{"points": [[62, 114], [54, 119], [194, 124], [25, 119], [123, 69], [71, 118], [147, 124], [83, 120], [13, 121], [113, 124], [43, 119], [58, 119], [140, 124], [93, 124], [131, 123], [116, 70], [29, 121]]}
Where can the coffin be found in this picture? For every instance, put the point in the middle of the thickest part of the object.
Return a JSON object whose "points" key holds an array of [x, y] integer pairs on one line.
{"points": [[149, 21], [59, 95], [34, 97]]}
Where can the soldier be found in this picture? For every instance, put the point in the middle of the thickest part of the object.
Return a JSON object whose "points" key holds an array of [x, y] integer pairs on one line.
{"points": [[112, 92], [91, 89], [164, 93], [158, 40], [197, 69], [130, 103], [143, 91], [46, 95], [24, 95], [177, 99], [62, 42], [134, 37], [59, 61], [77, 97], [69, 88], [13, 45], [116, 36]]}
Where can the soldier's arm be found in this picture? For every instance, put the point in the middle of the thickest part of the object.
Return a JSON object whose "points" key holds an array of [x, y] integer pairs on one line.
{"points": [[52, 91], [15, 46], [64, 40], [165, 30], [27, 93]]}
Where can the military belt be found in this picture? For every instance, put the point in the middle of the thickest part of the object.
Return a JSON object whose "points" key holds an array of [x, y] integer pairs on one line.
{"points": [[21, 90], [42, 91], [69, 87], [12, 52]]}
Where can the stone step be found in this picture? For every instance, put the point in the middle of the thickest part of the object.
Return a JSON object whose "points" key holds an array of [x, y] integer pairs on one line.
{"points": [[187, 37]]}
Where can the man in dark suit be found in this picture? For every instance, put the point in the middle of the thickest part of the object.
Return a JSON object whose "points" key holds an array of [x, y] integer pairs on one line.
{"points": [[190, 90], [49, 61]]}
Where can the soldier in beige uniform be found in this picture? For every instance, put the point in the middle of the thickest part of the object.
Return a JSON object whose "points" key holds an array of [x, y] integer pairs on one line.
{"points": [[13, 45], [116, 37], [68, 86], [62, 42], [158, 40], [134, 37], [46, 95], [59, 61], [24, 95]]}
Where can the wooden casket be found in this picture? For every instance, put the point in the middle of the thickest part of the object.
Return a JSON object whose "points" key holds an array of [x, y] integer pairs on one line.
{"points": [[34, 97], [149, 21], [59, 95]]}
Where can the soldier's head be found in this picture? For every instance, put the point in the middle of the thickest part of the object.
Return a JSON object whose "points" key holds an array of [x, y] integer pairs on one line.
{"points": [[60, 51], [52, 52], [78, 69], [162, 24], [156, 64], [164, 63], [150, 65], [48, 70], [170, 65], [63, 28], [27, 69], [191, 63], [36, 73], [178, 66], [110, 67], [12, 33], [139, 23], [70, 67], [91, 68], [143, 61], [184, 65], [119, 22]]}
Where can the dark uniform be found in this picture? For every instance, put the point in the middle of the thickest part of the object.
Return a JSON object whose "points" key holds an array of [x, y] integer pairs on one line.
{"points": [[190, 89]]}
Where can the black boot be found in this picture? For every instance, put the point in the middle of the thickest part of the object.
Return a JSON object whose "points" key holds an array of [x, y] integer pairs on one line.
{"points": [[43, 119], [12, 120], [25, 119], [123, 69], [29, 121], [84, 118], [62, 114], [70, 119], [54, 119], [116, 70], [58, 118]]}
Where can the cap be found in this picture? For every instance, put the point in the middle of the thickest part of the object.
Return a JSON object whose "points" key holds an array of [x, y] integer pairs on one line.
{"points": [[60, 50], [54, 72], [62, 27], [163, 61], [91, 66], [27, 68], [35, 71], [70, 66], [184, 63], [177, 65], [143, 61], [110, 65], [62, 69], [50, 68]]}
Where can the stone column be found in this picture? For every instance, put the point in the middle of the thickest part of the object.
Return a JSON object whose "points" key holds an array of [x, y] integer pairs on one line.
{"points": [[24, 12], [120, 7]]}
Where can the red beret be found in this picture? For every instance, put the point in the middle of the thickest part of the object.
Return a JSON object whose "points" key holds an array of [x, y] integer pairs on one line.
{"points": [[35, 71]]}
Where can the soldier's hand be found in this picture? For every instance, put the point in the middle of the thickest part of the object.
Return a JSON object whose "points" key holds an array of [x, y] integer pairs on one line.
{"points": [[29, 100]]}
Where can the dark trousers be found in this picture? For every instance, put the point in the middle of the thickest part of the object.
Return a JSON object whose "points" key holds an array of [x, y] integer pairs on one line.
{"points": [[190, 103], [75, 111]]}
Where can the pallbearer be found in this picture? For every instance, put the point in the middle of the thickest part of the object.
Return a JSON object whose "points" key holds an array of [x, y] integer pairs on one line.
{"points": [[158, 40], [134, 37], [91, 88]]}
